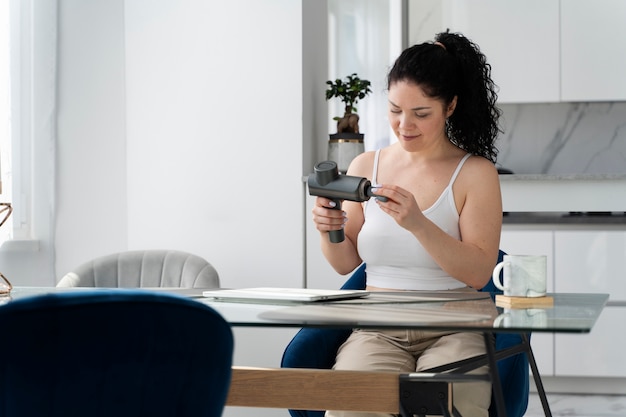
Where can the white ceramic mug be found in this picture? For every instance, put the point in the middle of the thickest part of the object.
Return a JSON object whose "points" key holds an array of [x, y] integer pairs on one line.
{"points": [[524, 275]]}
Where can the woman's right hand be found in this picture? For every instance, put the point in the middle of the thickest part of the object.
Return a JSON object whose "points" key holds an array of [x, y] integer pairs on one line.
{"points": [[342, 256], [326, 217]]}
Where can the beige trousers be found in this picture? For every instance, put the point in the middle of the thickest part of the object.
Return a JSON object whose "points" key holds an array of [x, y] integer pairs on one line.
{"points": [[410, 351]]}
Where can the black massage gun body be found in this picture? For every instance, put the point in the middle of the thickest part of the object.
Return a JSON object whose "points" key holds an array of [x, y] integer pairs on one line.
{"points": [[325, 181]]}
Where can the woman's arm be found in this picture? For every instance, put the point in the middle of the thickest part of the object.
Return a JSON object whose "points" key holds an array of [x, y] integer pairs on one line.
{"points": [[344, 256]]}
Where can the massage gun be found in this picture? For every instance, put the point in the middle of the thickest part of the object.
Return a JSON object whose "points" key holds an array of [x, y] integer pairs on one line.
{"points": [[325, 181]]}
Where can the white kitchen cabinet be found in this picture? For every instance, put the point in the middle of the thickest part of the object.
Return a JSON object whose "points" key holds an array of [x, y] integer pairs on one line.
{"points": [[593, 41], [535, 242], [540, 50], [580, 261], [593, 262], [520, 40], [597, 354]]}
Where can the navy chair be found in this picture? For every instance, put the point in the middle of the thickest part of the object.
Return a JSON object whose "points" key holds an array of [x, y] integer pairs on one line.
{"points": [[116, 353], [317, 348]]}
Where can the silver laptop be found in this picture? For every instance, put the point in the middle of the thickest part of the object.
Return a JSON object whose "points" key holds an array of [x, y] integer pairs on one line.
{"points": [[283, 294]]}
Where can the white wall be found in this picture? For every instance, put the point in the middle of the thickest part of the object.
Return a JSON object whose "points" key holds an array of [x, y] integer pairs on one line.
{"points": [[91, 191], [180, 127], [214, 131]]}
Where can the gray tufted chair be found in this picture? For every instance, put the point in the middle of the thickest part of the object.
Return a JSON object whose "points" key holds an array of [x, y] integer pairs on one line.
{"points": [[144, 268]]}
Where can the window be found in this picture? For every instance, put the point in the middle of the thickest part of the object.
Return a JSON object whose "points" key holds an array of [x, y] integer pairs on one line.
{"points": [[5, 117], [365, 38], [18, 150]]}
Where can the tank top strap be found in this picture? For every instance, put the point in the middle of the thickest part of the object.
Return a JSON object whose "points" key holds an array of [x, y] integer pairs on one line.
{"points": [[375, 170], [458, 169]]}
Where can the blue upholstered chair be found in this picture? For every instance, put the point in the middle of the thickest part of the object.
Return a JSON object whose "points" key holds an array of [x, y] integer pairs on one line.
{"points": [[317, 348], [113, 353]]}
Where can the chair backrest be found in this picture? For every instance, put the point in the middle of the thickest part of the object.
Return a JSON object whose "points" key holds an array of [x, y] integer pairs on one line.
{"points": [[144, 268], [113, 353]]}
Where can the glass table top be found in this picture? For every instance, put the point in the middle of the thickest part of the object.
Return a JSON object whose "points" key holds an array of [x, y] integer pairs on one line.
{"points": [[462, 311], [570, 313]]}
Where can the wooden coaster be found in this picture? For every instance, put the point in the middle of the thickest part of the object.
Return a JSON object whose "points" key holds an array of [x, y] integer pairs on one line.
{"points": [[523, 302]]}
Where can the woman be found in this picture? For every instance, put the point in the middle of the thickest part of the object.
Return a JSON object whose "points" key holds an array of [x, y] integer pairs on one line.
{"points": [[440, 226]]}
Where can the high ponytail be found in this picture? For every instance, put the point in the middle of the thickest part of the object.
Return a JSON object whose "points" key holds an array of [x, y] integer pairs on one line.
{"points": [[454, 66]]}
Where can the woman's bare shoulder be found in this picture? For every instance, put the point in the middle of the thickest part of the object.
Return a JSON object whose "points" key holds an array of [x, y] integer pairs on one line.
{"points": [[478, 165], [477, 173]]}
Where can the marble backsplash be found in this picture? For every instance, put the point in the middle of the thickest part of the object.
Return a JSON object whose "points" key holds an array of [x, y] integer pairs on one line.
{"points": [[563, 138]]}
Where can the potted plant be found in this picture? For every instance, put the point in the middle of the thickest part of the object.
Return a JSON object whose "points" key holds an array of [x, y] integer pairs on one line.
{"points": [[348, 141]]}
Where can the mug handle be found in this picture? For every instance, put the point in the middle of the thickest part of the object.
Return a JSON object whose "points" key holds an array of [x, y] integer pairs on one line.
{"points": [[498, 321], [495, 276]]}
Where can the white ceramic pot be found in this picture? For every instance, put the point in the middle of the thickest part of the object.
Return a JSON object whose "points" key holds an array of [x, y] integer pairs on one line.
{"points": [[343, 148]]}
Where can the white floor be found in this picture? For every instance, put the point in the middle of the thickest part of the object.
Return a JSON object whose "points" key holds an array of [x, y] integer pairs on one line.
{"points": [[579, 405]]}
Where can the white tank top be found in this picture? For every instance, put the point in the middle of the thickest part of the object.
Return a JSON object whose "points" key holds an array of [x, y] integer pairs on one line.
{"points": [[394, 258]]}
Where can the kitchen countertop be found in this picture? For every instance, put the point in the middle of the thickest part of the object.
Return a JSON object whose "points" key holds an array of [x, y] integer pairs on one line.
{"points": [[562, 177], [565, 218]]}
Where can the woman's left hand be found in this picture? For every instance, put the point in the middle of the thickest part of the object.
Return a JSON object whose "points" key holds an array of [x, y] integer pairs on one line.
{"points": [[400, 204]]}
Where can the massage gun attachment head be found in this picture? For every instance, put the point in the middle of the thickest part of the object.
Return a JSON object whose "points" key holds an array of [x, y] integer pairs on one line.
{"points": [[325, 172]]}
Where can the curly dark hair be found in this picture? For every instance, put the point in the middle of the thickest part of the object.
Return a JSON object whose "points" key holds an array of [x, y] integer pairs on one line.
{"points": [[454, 66]]}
